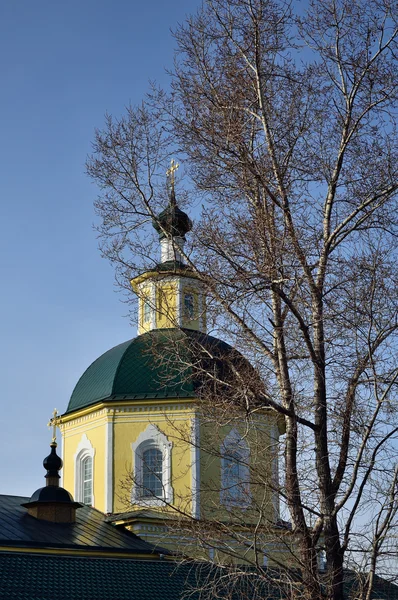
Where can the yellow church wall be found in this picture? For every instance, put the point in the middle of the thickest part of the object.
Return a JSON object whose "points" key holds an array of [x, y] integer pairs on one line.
{"points": [[93, 426], [262, 458], [276, 548], [174, 421], [166, 302]]}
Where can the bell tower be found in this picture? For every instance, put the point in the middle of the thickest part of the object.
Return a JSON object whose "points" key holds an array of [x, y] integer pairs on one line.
{"points": [[171, 294]]}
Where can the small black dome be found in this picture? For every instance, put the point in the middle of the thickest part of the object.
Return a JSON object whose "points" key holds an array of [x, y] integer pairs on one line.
{"points": [[52, 463], [172, 221], [52, 493]]}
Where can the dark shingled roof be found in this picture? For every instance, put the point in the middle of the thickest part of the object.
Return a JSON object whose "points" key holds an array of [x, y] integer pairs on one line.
{"points": [[89, 532], [147, 367], [51, 577]]}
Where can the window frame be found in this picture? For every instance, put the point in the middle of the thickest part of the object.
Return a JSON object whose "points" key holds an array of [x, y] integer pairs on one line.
{"points": [[235, 492], [152, 471], [146, 311], [85, 461], [189, 309], [151, 438], [84, 451]]}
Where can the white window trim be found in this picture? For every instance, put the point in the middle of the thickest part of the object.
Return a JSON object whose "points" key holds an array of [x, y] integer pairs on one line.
{"points": [[147, 295], [275, 469], [84, 450], [233, 441], [195, 466], [152, 437]]}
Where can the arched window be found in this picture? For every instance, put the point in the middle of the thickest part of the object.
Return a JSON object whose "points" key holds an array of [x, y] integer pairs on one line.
{"points": [[235, 472], [84, 471], [147, 311], [189, 305], [87, 480], [152, 468], [152, 473]]}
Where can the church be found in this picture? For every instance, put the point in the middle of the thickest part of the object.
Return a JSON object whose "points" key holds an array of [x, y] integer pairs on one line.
{"points": [[139, 443]]}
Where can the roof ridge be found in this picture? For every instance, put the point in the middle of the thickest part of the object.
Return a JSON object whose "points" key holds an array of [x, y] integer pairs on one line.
{"points": [[120, 362]]}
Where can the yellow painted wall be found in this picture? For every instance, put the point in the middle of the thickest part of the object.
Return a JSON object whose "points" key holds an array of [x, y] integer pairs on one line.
{"points": [[261, 455], [166, 290], [94, 426], [129, 422], [166, 301], [174, 423]]}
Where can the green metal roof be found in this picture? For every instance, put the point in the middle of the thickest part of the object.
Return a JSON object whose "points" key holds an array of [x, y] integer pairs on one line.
{"points": [[149, 367]]}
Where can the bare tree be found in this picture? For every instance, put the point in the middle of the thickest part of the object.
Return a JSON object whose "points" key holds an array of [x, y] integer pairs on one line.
{"points": [[285, 121]]}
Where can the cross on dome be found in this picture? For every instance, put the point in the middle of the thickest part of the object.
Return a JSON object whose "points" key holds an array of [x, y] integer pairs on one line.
{"points": [[53, 422], [171, 172]]}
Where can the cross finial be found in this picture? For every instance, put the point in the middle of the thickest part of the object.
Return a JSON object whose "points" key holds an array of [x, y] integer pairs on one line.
{"points": [[170, 172], [53, 423]]}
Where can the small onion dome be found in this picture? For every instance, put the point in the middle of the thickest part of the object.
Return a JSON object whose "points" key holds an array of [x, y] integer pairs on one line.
{"points": [[52, 463], [172, 222], [52, 503], [51, 493]]}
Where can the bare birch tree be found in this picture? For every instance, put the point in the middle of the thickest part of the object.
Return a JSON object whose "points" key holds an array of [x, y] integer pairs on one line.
{"points": [[285, 122]]}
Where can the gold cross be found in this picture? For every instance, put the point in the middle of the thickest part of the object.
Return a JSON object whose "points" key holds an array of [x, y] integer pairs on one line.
{"points": [[170, 172], [53, 423]]}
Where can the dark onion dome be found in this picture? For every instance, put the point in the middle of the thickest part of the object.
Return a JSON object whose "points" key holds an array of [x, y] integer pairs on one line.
{"points": [[160, 364], [53, 494], [52, 462], [172, 221]]}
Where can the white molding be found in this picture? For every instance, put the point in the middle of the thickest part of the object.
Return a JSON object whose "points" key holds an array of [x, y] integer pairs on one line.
{"points": [[195, 466], [61, 481], [274, 434], [83, 450], [201, 305], [179, 303], [152, 288], [233, 442], [109, 466], [152, 437]]}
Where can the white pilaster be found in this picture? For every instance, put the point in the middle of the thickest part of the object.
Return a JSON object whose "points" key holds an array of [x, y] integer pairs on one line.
{"points": [[274, 433], [109, 466], [153, 306], [179, 304], [195, 466], [61, 481]]}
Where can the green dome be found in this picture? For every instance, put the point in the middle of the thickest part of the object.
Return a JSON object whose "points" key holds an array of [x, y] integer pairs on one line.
{"points": [[153, 365]]}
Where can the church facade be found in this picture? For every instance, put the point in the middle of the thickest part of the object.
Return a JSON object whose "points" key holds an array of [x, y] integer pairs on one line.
{"points": [[139, 443]]}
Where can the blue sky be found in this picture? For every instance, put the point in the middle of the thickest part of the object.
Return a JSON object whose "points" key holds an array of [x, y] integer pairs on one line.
{"points": [[63, 65]]}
